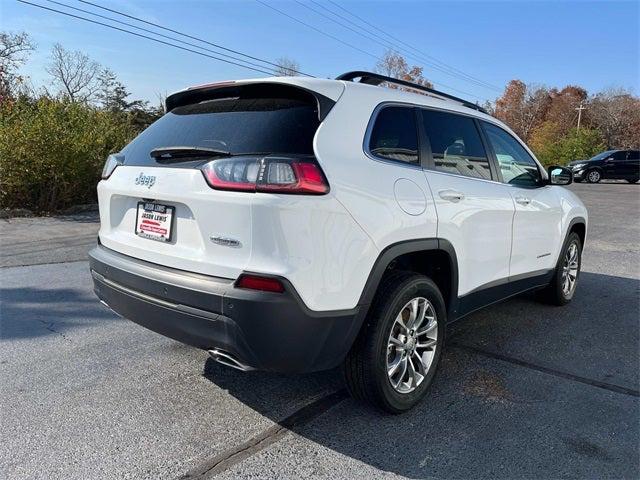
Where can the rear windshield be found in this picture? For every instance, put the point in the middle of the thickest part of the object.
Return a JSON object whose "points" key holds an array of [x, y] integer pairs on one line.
{"points": [[252, 120]]}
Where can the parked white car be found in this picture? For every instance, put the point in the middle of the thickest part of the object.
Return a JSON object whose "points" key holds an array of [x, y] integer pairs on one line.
{"points": [[296, 224]]}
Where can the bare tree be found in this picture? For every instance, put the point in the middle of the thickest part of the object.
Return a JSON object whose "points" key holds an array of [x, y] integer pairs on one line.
{"points": [[74, 73], [394, 65], [287, 67], [616, 113], [14, 51]]}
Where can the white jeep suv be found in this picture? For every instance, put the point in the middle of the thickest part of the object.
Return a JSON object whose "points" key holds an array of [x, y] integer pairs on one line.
{"points": [[296, 224]]}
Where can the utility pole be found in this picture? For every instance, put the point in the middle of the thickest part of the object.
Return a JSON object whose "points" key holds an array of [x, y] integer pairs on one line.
{"points": [[579, 109]]}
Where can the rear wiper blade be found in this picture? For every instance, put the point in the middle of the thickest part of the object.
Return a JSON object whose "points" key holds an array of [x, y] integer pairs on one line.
{"points": [[169, 154]]}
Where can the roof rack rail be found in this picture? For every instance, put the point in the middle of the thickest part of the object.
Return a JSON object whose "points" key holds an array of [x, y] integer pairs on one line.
{"points": [[371, 78]]}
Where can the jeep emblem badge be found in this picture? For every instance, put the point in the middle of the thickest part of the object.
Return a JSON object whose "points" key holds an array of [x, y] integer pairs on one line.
{"points": [[148, 180]]}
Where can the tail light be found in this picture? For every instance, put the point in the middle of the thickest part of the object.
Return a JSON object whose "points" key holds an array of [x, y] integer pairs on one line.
{"points": [[256, 282], [275, 175], [110, 165]]}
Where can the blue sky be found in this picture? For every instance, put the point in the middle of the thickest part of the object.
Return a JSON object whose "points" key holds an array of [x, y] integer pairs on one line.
{"points": [[593, 44]]}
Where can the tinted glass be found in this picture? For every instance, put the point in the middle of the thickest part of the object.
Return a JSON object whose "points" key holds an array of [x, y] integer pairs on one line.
{"points": [[284, 122], [516, 165], [394, 136], [455, 144], [603, 155], [634, 155], [622, 155]]}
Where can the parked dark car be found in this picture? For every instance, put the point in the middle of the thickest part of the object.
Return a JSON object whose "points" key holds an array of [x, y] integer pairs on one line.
{"points": [[612, 164]]}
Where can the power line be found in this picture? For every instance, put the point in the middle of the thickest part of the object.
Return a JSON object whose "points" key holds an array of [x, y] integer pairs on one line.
{"points": [[154, 33], [316, 29], [349, 44], [447, 70], [191, 37], [396, 39], [145, 36]]}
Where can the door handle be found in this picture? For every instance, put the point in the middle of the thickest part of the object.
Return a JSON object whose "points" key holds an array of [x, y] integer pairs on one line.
{"points": [[451, 195], [523, 200]]}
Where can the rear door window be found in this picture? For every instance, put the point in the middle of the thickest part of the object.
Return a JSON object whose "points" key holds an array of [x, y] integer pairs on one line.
{"points": [[455, 143], [394, 135]]}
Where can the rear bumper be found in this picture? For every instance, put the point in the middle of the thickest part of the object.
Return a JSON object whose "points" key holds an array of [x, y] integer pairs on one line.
{"points": [[266, 331]]}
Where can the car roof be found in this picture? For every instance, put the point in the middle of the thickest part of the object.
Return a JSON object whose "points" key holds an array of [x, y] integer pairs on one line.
{"points": [[334, 89]]}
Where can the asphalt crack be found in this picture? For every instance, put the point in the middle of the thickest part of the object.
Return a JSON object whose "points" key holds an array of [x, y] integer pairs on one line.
{"points": [[550, 371], [228, 458], [49, 326]]}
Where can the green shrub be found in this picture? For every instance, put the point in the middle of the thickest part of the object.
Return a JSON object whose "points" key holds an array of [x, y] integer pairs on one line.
{"points": [[553, 149], [52, 151]]}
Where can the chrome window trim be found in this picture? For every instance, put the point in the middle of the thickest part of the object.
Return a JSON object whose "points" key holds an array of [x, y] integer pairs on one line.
{"points": [[457, 175]]}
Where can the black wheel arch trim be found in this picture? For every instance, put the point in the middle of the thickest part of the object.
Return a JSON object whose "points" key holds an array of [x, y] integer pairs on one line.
{"points": [[572, 223], [394, 251]]}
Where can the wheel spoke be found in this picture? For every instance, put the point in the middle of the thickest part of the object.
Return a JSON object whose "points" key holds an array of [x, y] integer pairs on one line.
{"points": [[396, 342], [403, 371], [421, 364], [422, 314], [412, 374], [393, 368], [428, 344], [429, 328], [400, 320], [414, 312], [415, 376]]}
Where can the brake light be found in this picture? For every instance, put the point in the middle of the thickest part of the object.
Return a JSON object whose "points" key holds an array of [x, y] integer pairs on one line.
{"points": [[256, 282], [275, 175]]}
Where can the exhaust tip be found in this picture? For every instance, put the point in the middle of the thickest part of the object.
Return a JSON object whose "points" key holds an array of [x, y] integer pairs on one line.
{"points": [[228, 360]]}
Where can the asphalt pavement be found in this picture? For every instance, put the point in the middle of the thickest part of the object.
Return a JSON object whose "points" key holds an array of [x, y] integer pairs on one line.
{"points": [[524, 390]]}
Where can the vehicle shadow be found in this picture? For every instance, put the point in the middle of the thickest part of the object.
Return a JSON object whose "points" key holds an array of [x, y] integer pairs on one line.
{"points": [[483, 417], [28, 312]]}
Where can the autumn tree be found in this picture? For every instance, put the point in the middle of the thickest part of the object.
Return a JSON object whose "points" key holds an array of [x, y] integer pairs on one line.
{"points": [[562, 108], [394, 65], [523, 107], [74, 73], [14, 51], [616, 113], [287, 67]]}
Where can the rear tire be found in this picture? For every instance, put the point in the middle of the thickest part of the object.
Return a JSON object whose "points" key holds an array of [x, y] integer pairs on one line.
{"points": [[392, 362], [594, 176], [633, 180], [565, 278]]}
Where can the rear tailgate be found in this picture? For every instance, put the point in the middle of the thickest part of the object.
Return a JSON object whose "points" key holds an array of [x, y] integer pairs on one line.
{"points": [[211, 228], [200, 213]]}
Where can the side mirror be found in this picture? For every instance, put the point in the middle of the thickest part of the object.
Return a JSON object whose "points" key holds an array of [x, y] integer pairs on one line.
{"points": [[560, 175]]}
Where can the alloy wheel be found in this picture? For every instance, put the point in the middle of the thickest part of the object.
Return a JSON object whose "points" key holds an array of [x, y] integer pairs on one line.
{"points": [[594, 176], [412, 344], [570, 270]]}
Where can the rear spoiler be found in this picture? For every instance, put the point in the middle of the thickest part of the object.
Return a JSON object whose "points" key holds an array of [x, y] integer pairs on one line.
{"points": [[233, 89]]}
